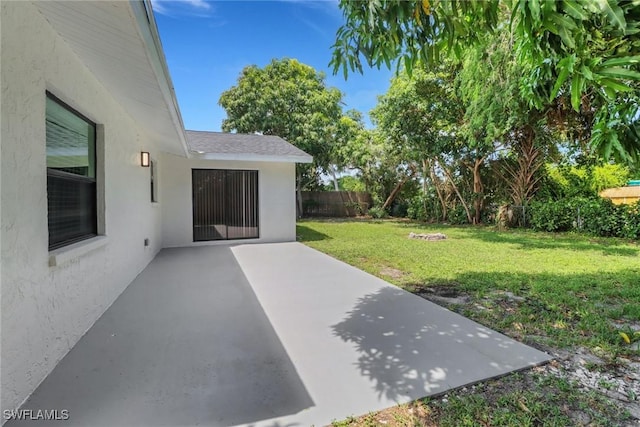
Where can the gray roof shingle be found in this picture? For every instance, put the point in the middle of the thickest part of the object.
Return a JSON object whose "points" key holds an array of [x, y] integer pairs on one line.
{"points": [[237, 146]]}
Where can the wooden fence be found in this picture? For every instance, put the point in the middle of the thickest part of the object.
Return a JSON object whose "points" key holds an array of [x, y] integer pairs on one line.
{"points": [[335, 203]]}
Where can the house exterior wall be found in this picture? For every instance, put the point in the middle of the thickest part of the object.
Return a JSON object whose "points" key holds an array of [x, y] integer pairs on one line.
{"points": [[45, 310], [622, 195], [276, 198]]}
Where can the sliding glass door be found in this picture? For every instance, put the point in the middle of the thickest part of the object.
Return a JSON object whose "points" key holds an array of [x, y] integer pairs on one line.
{"points": [[225, 204]]}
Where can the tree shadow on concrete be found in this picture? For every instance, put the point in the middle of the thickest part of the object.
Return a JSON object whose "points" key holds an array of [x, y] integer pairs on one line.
{"points": [[410, 348]]}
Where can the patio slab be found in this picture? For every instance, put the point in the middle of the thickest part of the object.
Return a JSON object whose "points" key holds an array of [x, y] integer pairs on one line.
{"points": [[268, 335], [360, 344]]}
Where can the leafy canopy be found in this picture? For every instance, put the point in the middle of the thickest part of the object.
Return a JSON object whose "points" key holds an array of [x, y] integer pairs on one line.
{"points": [[585, 51], [288, 99], [420, 113]]}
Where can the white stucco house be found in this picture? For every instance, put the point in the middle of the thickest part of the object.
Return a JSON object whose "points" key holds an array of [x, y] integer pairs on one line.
{"points": [[98, 174]]}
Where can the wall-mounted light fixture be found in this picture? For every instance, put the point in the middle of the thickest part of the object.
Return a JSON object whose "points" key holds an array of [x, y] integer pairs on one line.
{"points": [[144, 159]]}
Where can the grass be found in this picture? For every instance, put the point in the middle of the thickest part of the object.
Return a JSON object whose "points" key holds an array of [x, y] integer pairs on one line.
{"points": [[555, 291]]}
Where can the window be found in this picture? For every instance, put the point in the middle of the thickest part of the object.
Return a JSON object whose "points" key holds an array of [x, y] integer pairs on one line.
{"points": [[71, 174], [154, 185], [225, 204]]}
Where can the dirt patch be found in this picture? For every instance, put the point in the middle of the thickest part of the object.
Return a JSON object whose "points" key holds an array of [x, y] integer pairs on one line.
{"points": [[619, 382], [392, 273], [446, 295]]}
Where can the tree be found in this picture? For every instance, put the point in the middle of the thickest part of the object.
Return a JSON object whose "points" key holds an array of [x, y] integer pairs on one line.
{"points": [[347, 134], [288, 99], [419, 114], [498, 121], [588, 52]]}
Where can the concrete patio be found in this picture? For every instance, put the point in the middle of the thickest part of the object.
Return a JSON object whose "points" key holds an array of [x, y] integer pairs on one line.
{"points": [[266, 335]]}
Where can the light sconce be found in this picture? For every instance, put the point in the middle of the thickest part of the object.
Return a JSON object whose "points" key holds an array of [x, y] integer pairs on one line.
{"points": [[144, 159]]}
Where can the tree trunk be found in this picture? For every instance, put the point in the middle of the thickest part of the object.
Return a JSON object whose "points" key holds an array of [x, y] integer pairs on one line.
{"points": [[425, 170], [436, 184], [395, 192], [336, 187], [455, 188], [478, 190], [398, 187], [523, 180]]}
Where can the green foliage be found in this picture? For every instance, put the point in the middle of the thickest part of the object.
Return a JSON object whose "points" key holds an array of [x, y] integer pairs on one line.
{"points": [[585, 180], [351, 183], [378, 213], [349, 148], [457, 215], [393, 31], [551, 215], [596, 216], [609, 176], [579, 56], [288, 99], [416, 208], [488, 85], [419, 113]]}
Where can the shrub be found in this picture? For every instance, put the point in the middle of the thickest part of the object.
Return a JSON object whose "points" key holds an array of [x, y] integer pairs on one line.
{"points": [[631, 221], [598, 216], [378, 212], [551, 215], [416, 210], [399, 209], [457, 215], [595, 216]]}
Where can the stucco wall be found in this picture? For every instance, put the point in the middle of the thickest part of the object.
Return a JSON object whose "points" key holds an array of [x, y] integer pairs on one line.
{"points": [[276, 198], [45, 310]]}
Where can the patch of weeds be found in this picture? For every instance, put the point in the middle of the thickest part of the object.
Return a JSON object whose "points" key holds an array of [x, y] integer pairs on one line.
{"points": [[530, 398], [416, 414], [527, 399], [349, 421]]}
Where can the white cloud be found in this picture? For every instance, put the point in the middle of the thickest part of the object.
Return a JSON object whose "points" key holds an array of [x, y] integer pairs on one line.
{"points": [[200, 4], [200, 8], [330, 7]]}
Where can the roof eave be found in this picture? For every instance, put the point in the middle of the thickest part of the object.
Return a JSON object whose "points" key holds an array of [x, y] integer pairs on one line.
{"points": [[252, 157], [148, 30]]}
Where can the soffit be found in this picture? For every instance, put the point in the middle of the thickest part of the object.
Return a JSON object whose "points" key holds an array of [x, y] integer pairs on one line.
{"points": [[118, 42]]}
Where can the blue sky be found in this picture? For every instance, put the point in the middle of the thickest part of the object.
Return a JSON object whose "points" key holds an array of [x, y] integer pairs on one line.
{"points": [[208, 43]]}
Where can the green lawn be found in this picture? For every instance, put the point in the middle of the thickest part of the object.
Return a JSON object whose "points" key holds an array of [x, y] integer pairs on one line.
{"points": [[555, 291]]}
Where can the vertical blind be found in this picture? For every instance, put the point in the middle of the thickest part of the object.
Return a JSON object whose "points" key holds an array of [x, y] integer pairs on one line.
{"points": [[225, 204], [71, 174]]}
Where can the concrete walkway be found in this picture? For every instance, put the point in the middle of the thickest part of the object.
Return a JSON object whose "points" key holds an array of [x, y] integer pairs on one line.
{"points": [[269, 335]]}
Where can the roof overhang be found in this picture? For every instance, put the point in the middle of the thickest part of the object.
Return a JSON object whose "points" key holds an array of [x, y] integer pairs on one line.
{"points": [[251, 157], [118, 42]]}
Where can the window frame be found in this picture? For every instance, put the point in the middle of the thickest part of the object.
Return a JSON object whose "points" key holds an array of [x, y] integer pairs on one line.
{"points": [[95, 181]]}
